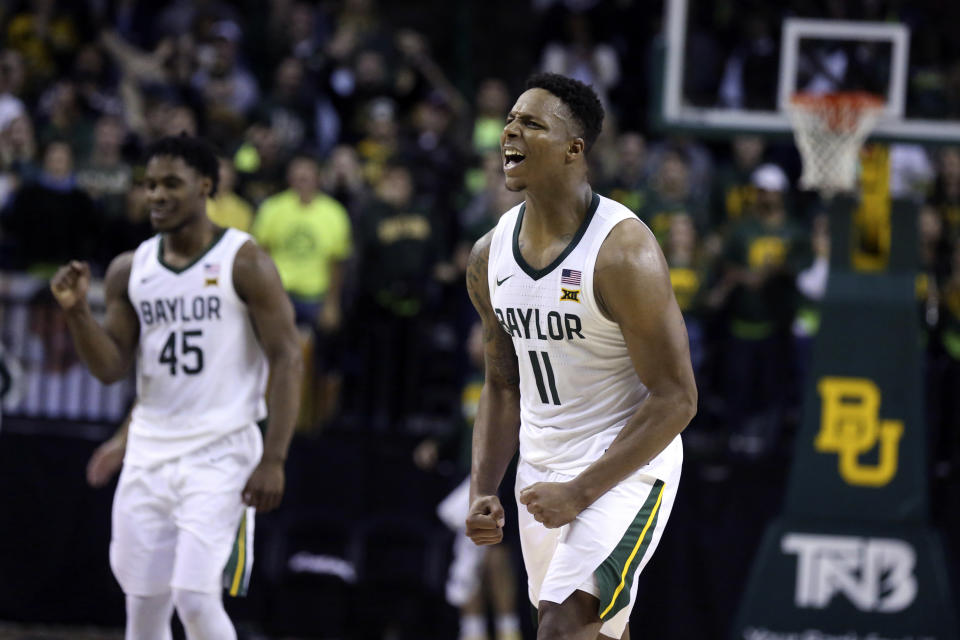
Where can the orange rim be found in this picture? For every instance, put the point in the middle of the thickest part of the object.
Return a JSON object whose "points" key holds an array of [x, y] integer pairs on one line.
{"points": [[842, 110]]}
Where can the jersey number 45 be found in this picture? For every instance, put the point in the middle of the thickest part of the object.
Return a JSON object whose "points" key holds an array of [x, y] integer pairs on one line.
{"points": [[190, 357]]}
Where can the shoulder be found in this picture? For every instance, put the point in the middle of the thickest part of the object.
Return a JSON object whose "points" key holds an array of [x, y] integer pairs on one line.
{"points": [[629, 245], [252, 269], [631, 279], [250, 257], [118, 273], [121, 265], [477, 284]]}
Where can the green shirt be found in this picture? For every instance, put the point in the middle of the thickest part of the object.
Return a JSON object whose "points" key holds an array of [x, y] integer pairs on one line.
{"points": [[657, 212], [399, 247], [303, 240], [689, 286], [755, 313], [733, 195]]}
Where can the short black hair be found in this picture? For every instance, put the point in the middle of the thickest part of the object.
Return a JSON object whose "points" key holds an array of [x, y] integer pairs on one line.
{"points": [[195, 152], [580, 98]]}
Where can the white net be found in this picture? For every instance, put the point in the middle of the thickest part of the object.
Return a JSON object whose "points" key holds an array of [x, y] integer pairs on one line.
{"points": [[829, 130]]}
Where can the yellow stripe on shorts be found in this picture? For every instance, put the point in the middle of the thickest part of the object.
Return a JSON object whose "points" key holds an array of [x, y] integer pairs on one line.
{"points": [[642, 540], [236, 573], [241, 557]]}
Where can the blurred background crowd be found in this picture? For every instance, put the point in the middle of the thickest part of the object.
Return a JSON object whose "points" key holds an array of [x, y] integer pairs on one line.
{"points": [[359, 144]]}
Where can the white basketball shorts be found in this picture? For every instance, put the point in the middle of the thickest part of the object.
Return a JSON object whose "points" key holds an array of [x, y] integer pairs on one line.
{"points": [[608, 544], [174, 525]]}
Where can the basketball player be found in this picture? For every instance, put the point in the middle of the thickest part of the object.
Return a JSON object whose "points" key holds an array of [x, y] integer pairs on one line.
{"points": [[587, 368], [205, 313]]}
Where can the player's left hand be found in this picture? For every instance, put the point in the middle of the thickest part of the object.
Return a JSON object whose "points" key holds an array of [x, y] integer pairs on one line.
{"points": [[553, 504], [264, 488]]}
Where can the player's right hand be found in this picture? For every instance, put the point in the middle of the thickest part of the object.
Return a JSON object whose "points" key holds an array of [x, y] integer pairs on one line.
{"points": [[70, 284], [485, 520]]}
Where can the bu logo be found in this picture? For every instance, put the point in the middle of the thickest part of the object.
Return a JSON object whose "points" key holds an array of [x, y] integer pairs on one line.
{"points": [[875, 574], [850, 426]]}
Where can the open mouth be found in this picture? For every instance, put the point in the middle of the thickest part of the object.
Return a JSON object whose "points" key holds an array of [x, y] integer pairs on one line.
{"points": [[512, 158]]}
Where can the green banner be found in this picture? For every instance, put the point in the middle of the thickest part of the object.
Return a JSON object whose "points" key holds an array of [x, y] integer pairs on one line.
{"points": [[860, 451], [819, 581], [853, 557]]}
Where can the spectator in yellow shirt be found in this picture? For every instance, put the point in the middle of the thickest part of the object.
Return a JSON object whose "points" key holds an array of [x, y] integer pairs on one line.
{"points": [[226, 208], [308, 235]]}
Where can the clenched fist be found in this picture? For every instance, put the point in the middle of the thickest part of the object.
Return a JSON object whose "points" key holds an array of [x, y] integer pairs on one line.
{"points": [[552, 504], [485, 520], [70, 284]]}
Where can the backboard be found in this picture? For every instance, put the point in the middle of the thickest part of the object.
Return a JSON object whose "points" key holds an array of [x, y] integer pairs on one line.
{"points": [[731, 67]]}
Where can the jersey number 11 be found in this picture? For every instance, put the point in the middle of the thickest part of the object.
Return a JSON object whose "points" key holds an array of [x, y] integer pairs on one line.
{"points": [[538, 374]]}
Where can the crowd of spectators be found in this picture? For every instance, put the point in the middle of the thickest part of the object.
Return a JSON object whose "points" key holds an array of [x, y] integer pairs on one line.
{"points": [[367, 167]]}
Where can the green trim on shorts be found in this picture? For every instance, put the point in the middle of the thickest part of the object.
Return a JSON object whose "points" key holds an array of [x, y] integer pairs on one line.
{"points": [[236, 573], [615, 574]]}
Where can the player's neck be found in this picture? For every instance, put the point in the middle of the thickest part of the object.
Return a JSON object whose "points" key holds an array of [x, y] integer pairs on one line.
{"points": [[189, 240], [556, 212]]}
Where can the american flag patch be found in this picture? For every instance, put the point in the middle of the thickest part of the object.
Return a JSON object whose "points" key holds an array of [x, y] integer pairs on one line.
{"points": [[211, 271], [570, 276]]}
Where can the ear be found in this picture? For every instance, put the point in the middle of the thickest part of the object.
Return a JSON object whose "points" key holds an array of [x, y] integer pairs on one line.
{"points": [[206, 186], [576, 149]]}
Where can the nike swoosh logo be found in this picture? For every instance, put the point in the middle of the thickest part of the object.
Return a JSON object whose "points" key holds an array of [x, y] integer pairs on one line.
{"points": [[500, 282]]}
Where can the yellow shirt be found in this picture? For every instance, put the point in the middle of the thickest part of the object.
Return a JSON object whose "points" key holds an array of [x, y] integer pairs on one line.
{"points": [[230, 210], [303, 240]]}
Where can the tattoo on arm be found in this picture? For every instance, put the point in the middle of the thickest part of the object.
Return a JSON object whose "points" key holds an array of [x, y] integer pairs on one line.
{"points": [[499, 356], [501, 359], [477, 277]]}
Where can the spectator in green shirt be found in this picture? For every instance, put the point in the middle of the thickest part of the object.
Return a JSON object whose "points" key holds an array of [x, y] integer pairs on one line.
{"points": [[670, 195], [733, 193], [402, 264], [688, 277], [762, 255]]}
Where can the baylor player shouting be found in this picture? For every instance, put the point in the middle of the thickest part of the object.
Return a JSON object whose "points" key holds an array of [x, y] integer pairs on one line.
{"points": [[205, 313], [587, 368]]}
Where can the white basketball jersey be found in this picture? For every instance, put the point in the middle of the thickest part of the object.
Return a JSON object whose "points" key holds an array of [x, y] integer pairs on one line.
{"points": [[201, 372], [578, 386]]}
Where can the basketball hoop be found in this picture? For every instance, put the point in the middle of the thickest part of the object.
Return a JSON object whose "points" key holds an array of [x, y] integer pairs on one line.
{"points": [[829, 129]]}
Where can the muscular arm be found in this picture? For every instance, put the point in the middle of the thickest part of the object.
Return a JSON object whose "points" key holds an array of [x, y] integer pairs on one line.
{"points": [[106, 350], [633, 284], [497, 426], [258, 284]]}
